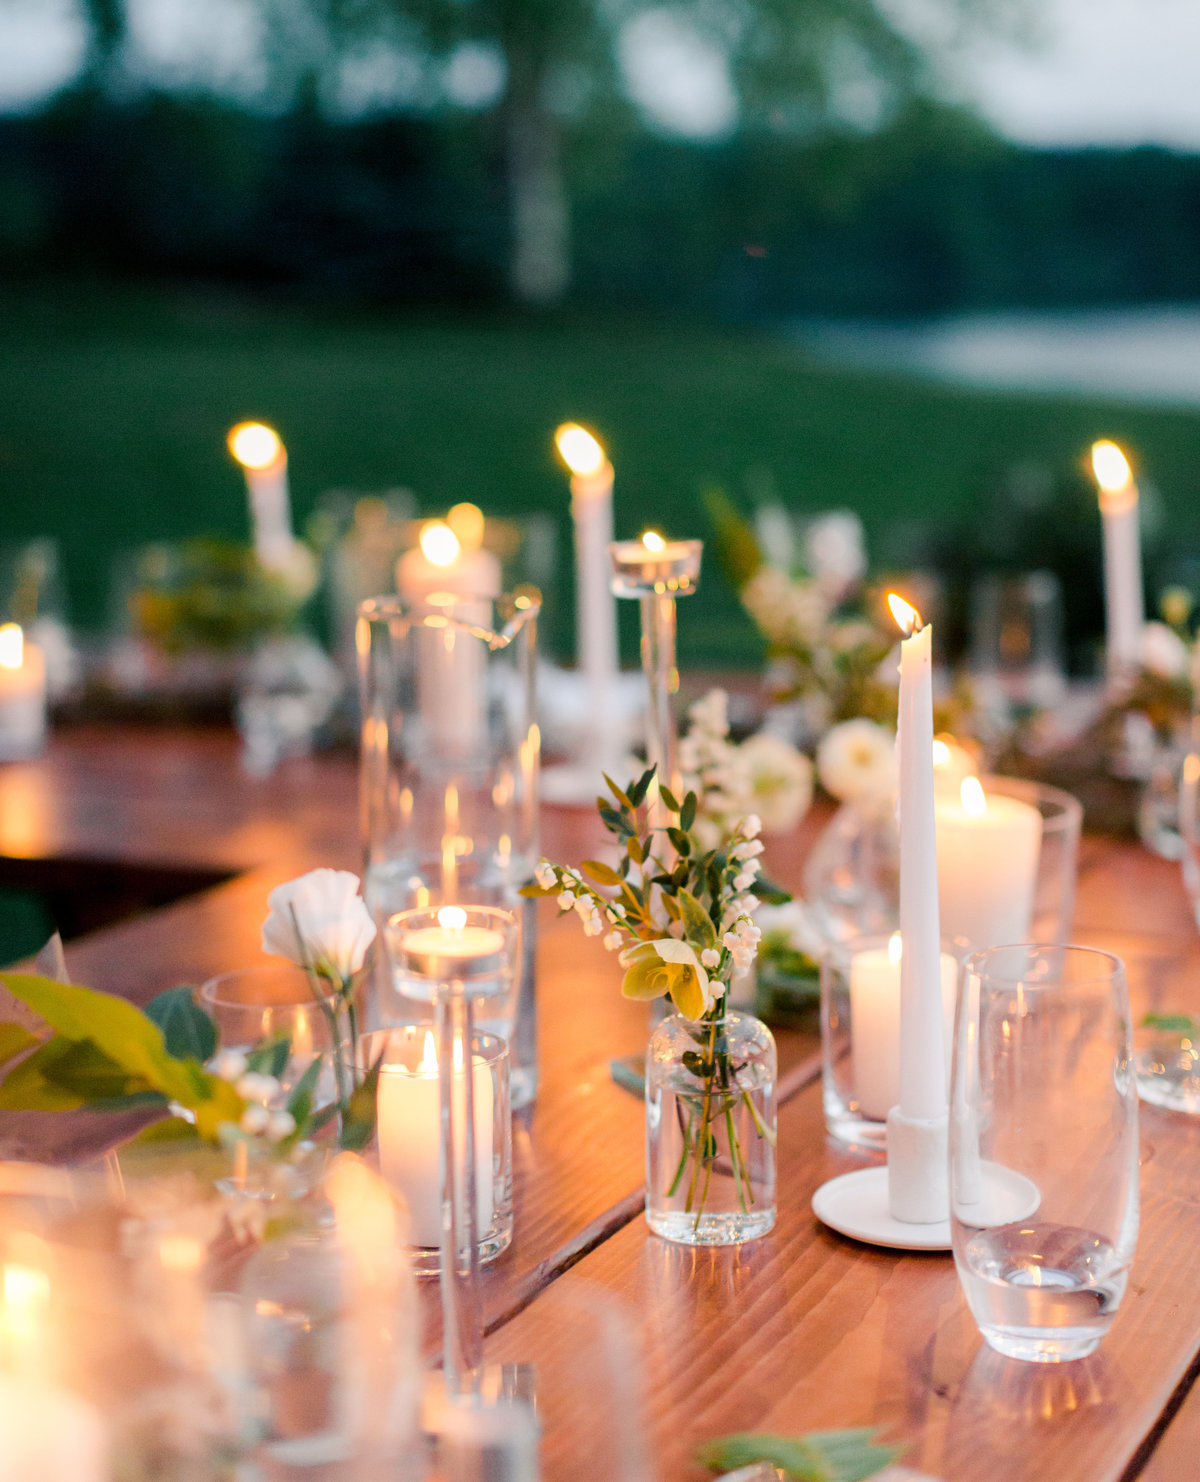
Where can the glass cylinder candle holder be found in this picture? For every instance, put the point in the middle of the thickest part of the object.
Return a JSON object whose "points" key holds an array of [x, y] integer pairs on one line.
{"points": [[860, 1034], [407, 1144], [656, 572], [449, 783], [274, 1001]]}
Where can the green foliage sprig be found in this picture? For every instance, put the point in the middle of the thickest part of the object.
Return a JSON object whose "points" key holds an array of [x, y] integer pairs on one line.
{"points": [[821, 1456]]}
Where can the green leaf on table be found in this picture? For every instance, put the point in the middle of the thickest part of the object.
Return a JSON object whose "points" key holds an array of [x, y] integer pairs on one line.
{"points": [[1172, 1023], [821, 1456], [15, 1039], [187, 1030], [601, 873], [697, 924], [358, 1118], [769, 893]]}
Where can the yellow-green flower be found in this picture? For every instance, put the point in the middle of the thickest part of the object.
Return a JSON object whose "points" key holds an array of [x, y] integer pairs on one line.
{"points": [[668, 966]]}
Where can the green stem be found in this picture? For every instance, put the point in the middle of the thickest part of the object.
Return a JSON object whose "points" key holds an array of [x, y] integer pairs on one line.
{"points": [[741, 1179], [683, 1156], [759, 1125], [702, 1140]]}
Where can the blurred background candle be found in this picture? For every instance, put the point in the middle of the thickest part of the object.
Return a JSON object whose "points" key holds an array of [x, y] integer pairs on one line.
{"points": [[22, 695], [987, 850], [410, 1140], [449, 558], [263, 457], [875, 1023], [1124, 604], [596, 613]]}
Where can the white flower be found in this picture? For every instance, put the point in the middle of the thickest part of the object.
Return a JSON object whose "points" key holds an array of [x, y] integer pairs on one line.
{"points": [[834, 550], [856, 762], [255, 1120], [710, 715], [545, 874], [795, 924], [613, 940], [751, 826], [1163, 651], [566, 900], [780, 781], [255, 1086], [710, 957], [280, 1125], [743, 881], [747, 849], [335, 926], [229, 1065]]}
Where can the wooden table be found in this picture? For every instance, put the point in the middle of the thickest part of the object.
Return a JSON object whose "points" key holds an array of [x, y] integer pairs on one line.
{"points": [[797, 1331]]}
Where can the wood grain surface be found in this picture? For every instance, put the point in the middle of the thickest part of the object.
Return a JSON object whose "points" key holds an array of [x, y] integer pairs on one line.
{"points": [[802, 1329]]}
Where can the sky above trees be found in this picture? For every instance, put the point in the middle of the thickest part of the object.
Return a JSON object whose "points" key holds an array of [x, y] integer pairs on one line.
{"points": [[1092, 71]]}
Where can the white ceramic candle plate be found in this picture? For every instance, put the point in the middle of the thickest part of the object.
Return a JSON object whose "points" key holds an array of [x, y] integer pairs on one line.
{"points": [[856, 1204]]}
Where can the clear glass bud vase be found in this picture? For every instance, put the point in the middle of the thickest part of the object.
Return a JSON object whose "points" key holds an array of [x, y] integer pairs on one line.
{"points": [[710, 1129]]}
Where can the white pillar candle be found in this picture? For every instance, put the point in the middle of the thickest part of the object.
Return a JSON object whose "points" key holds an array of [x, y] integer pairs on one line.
{"points": [[49, 1434], [439, 572], [263, 457], [988, 849], [1124, 603], [875, 1024], [409, 1110], [922, 1049], [596, 613], [22, 696]]}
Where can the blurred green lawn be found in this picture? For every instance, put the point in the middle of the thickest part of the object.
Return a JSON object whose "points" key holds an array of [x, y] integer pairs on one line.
{"points": [[114, 406]]}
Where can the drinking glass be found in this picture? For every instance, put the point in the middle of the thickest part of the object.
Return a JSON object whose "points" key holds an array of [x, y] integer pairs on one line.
{"points": [[274, 1001], [1017, 641], [1043, 1147]]}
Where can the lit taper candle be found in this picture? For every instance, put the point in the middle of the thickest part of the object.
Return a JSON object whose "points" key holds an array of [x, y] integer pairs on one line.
{"points": [[1124, 603], [263, 457]]}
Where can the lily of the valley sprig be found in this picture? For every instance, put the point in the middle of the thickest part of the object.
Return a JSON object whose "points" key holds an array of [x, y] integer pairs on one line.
{"points": [[683, 917]]}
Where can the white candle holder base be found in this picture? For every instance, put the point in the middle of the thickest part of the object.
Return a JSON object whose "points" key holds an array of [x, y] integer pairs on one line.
{"points": [[856, 1204]]}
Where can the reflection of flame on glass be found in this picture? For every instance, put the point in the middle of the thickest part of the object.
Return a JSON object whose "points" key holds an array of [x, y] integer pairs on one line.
{"points": [[654, 542], [578, 449], [907, 617], [973, 800], [429, 1065], [254, 444], [12, 646], [453, 918], [439, 544], [895, 948], [941, 753], [26, 1294]]}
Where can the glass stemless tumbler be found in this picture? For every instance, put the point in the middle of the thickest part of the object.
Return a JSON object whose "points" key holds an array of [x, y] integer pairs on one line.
{"points": [[1043, 1147]]}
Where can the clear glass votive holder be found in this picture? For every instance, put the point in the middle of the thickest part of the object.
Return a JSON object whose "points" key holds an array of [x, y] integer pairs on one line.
{"points": [[271, 1002], [860, 1034], [407, 1143], [1043, 1147], [1058, 860]]}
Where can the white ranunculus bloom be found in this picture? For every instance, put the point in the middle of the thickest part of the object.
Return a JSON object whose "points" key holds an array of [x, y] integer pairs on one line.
{"points": [[856, 762], [1163, 651], [780, 780], [335, 926]]}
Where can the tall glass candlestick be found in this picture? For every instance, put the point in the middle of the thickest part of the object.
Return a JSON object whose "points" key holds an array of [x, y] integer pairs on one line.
{"points": [[457, 955], [657, 571]]}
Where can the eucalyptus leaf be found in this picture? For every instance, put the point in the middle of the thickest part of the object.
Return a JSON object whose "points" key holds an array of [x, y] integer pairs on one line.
{"points": [[820, 1456], [769, 893], [187, 1030], [641, 787], [669, 798], [358, 1117], [622, 797], [687, 815], [683, 845]]}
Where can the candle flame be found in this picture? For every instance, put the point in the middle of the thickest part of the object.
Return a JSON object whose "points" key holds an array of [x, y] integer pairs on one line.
{"points": [[1110, 466], [467, 524], [12, 646], [578, 449], [654, 542], [973, 799], [439, 543], [908, 619], [429, 1063], [941, 753], [254, 444], [180, 1253], [895, 948], [453, 918], [26, 1293]]}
